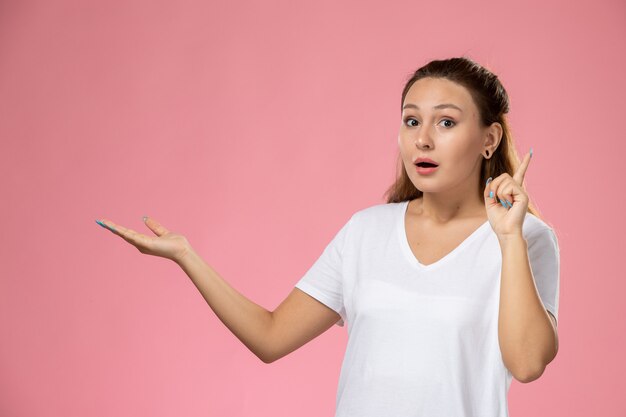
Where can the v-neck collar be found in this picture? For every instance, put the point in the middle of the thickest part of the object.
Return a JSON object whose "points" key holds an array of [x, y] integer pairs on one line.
{"points": [[406, 248]]}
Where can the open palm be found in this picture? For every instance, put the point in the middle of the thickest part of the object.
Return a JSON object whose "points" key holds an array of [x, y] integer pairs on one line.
{"points": [[165, 244]]}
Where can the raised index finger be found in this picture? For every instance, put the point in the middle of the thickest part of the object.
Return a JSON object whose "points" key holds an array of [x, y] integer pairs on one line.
{"points": [[521, 170]]}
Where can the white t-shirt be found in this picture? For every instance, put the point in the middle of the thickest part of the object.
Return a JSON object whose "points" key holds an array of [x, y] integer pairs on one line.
{"points": [[422, 339]]}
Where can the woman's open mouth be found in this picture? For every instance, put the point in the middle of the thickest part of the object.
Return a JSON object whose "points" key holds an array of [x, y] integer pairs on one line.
{"points": [[425, 168]]}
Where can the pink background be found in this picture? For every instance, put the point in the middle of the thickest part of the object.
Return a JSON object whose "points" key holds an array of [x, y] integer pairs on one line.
{"points": [[256, 129]]}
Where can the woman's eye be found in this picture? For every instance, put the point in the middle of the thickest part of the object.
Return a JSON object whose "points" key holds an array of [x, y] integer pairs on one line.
{"points": [[448, 120], [408, 120]]}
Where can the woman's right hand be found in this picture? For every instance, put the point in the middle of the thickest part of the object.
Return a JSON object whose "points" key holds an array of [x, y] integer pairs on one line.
{"points": [[166, 244]]}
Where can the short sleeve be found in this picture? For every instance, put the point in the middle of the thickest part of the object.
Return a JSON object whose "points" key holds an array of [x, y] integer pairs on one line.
{"points": [[323, 281], [543, 253]]}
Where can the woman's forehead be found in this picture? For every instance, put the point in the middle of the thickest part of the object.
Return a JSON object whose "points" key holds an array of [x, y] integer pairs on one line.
{"points": [[431, 94], [428, 90]]}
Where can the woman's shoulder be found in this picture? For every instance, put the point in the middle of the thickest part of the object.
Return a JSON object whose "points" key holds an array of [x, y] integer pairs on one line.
{"points": [[534, 225], [377, 213]]}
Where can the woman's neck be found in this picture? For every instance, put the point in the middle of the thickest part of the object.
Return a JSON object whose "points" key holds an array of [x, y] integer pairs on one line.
{"points": [[442, 208]]}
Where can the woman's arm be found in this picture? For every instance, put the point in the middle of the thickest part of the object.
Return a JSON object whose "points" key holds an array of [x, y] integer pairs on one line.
{"points": [[269, 335], [526, 333], [248, 321], [528, 339]]}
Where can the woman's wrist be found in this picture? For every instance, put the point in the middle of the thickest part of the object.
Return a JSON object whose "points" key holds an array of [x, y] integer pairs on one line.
{"points": [[186, 256], [514, 239]]}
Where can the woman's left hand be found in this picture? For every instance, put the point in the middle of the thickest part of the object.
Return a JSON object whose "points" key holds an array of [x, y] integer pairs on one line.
{"points": [[507, 207]]}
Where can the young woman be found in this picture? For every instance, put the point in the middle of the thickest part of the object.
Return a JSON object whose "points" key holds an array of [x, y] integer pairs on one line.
{"points": [[449, 289]]}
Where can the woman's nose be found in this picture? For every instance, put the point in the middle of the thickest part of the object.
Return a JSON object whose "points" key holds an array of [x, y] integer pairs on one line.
{"points": [[423, 139]]}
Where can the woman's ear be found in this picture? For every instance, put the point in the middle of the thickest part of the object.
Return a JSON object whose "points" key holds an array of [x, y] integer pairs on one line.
{"points": [[493, 136]]}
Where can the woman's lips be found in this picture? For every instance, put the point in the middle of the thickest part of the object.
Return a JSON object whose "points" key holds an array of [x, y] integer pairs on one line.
{"points": [[425, 170]]}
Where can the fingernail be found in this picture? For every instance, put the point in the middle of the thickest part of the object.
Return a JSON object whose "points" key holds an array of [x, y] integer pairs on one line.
{"points": [[488, 181], [490, 194], [145, 218], [531, 152], [503, 205], [509, 203], [105, 226]]}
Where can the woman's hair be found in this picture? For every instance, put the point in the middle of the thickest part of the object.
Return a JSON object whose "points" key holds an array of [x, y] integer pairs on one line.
{"points": [[493, 104]]}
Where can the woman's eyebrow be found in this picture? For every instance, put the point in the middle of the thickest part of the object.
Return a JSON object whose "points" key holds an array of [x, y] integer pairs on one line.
{"points": [[439, 106]]}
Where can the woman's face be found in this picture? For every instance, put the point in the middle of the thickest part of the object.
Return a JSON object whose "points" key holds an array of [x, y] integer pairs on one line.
{"points": [[431, 128]]}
